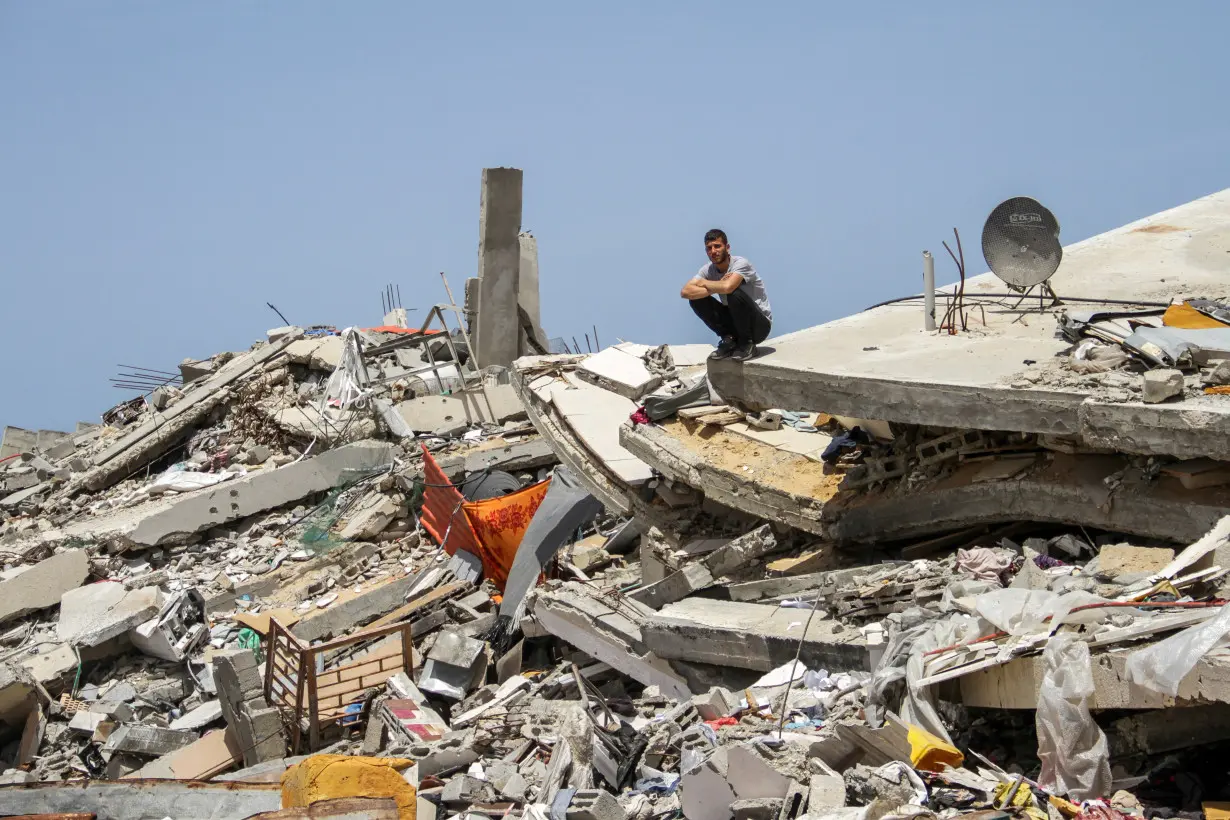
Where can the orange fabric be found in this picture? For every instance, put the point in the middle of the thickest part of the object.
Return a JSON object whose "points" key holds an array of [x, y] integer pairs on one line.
{"points": [[1186, 316], [500, 525], [442, 504]]}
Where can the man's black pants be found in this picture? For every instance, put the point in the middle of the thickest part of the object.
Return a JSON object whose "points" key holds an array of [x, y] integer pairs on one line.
{"points": [[739, 317]]}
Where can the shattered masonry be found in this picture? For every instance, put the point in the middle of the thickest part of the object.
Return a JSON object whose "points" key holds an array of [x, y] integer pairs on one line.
{"points": [[874, 572]]}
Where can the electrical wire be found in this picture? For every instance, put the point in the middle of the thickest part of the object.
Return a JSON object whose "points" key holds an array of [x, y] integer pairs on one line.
{"points": [[1082, 299]]}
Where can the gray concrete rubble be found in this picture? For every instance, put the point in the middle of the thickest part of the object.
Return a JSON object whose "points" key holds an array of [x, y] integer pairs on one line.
{"points": [[874, 572]]}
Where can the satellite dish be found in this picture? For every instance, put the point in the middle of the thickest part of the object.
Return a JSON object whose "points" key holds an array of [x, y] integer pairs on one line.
{"points": [[1020, 242]]}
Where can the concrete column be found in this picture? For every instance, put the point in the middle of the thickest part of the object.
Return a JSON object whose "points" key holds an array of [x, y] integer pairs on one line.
{"points": [[527, 291], [497, 333]]}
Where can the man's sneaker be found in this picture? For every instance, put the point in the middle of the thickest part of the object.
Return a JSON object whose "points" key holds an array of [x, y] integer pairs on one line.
{"points": [[725, 347], [743, 352]]}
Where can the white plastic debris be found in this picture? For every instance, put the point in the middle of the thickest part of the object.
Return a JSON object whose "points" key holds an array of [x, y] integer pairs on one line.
{"points": [[1072, 748], [1162, 666]]}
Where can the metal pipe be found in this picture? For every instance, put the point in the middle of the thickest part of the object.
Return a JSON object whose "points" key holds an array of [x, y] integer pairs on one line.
{"points": [[928, 290]]}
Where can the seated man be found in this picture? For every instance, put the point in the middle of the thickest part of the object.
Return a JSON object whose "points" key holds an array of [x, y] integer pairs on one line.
{"points": [[740, 314]]}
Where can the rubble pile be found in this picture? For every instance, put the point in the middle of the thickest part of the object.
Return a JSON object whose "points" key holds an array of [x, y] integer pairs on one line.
{"points": [[352, 574]]}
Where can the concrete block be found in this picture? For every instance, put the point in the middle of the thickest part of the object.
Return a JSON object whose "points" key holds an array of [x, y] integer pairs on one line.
{"points": [[756, 808], [713, 705], [145, 740], [497, 326], [261, 491], [825, 791], [1159, 385], [43, 584], [96, 613], [371, 519], [594, 804]]}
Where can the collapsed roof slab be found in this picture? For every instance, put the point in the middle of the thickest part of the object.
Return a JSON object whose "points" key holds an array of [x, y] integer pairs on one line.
{"points": [[736, 471], [881, 364], [751, 636], [778, 485], [592, 451]]}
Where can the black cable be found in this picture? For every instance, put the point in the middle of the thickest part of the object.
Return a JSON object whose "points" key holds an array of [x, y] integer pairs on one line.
{"points": [[1018, 295]]}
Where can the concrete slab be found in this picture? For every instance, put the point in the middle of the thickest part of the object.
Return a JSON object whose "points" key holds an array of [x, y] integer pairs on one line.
{"points": [[98, 612], [607, 635], [140, 799], [42, 585], [261, 491], [751, 636], [595, 416], [151, 438], [777, 485], [881, 364], [534, 378], [620, 369]]}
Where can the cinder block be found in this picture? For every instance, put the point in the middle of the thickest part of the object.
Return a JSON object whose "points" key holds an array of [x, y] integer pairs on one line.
{"points": [[594, 804]]}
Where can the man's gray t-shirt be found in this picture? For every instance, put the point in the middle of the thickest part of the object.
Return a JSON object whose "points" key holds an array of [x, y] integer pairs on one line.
{"points": [[751, 281]]}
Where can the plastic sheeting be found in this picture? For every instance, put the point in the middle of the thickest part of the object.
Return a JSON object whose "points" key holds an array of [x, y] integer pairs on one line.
{"points": [[179, 480], [1072, 748], [347, 384], [903, 662], [1163, 665], [1026, 611]]}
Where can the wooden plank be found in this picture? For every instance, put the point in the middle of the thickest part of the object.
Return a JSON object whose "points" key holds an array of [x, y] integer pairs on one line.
{"points": [[430, 598], [309, 672]]}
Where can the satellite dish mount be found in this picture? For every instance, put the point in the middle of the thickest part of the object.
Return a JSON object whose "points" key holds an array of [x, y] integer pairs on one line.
{"points": [[1020, 242]]}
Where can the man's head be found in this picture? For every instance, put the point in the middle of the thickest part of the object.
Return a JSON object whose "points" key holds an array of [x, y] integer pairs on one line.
{"points": [[717, 246]]}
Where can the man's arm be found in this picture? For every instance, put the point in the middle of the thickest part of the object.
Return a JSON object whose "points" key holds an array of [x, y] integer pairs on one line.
{"points": [[699, 288]]}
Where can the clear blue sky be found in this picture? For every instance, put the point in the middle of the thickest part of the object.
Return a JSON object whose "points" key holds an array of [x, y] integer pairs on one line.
{"points": [[168, 167]]}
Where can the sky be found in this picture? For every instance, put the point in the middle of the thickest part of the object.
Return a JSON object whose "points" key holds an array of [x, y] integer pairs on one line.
{"points": [[166, 169]]}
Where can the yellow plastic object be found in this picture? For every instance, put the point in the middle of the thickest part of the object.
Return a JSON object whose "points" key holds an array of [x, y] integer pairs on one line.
{"points": [[325, 777], [1216, 811], [930, 753], [1186, 316]]}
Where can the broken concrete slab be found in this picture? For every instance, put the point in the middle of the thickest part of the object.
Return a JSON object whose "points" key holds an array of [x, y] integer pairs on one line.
{"points": [[581, 423], [201, 716], [18, 694], [606, 634], [146, 741], [96, 613], [750, 636], [371, 518], [705, 572], [43, 584], [261, 491], [512, 458], [620, 369], [356, 611], [151, 438], [137, 799]]}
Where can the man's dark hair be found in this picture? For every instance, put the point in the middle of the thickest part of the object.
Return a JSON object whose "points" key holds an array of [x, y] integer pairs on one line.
{"points": [[716, 233]]}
